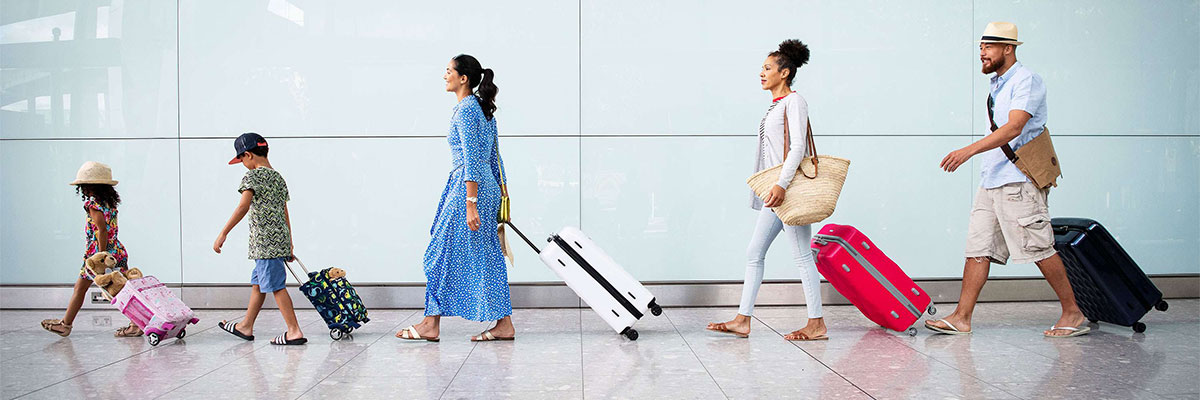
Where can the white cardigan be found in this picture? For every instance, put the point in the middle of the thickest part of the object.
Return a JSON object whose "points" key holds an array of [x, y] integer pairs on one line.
{"points": [[770, 143]]}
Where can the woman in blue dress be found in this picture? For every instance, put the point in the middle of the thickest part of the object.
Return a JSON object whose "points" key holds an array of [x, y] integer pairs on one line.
{"points": [[464, 266]]}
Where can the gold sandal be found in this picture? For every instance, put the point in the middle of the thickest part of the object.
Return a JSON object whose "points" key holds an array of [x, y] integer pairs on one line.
{"points": [[130, 330], [50, 324]]}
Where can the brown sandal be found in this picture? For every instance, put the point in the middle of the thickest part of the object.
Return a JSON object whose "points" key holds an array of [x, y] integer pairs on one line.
{"points": [[130, 330], [722, 328], [798, 336], [50, 325]]}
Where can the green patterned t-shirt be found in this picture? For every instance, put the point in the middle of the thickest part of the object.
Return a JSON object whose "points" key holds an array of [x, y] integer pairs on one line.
{"points": [[269, 233]]}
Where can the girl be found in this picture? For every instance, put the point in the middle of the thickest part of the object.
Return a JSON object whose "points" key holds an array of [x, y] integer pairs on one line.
{"points": [[94, 184], [464, 268], [776, 77]]}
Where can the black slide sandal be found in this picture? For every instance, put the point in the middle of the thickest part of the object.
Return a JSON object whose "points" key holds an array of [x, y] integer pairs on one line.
{"points": [[282, 340], [232, 328]]}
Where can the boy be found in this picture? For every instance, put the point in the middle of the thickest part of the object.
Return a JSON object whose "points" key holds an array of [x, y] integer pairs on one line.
{"points": [[264, 196]]}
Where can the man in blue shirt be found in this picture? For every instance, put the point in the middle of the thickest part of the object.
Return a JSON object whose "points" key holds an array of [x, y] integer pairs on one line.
{"points": [[1010, 215]]}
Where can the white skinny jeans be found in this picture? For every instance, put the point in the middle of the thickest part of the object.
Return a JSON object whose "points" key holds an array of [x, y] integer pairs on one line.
{"points": [[798, 237]]}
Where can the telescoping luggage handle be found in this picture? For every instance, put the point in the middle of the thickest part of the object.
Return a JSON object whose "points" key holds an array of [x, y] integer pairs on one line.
{"points": [[522, 235], [302, 267], [823, 239]]}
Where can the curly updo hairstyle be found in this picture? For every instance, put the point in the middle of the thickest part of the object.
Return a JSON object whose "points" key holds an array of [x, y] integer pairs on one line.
{"points": [[792, 54], [481, 79]]}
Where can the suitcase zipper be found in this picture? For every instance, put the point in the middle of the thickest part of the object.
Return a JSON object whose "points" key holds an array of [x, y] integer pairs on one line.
{"points": [[596, 275], [874, 272]]}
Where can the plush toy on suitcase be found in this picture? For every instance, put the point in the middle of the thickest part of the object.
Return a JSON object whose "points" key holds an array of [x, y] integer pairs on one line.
{"points": [[611, 292], [334, 298], [869, 279]]}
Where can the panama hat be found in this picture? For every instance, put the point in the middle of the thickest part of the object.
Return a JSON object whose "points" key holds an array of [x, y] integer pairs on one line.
{"points": [[94, 173], [1000, 32]]}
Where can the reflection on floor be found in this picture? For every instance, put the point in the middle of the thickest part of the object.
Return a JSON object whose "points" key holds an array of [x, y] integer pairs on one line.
{"points": [[570, 353]]}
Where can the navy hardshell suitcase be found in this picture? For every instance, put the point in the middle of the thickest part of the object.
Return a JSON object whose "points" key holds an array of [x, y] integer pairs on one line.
{"points": [[1109, 286]]}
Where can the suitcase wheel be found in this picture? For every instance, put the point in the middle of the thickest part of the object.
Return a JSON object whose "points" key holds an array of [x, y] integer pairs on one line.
{"points": [[153, 338], [630, 333], [655, 308], [339, 334], [1161, 306], [1139, 327], [931, 310], [181, 334], [912, 331]]}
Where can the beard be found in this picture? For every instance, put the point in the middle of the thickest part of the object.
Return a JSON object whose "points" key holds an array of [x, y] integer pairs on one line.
{"points": [[994, 66]]}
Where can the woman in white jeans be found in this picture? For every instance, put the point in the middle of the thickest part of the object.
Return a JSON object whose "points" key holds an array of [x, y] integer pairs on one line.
{"points": [[777, 73]]}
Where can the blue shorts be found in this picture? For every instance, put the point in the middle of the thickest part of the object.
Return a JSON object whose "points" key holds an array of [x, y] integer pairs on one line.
{"points": [[269, 274]]}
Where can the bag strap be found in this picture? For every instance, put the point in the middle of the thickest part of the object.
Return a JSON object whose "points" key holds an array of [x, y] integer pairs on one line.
{"points": [[1008, 150], [787, 144]]}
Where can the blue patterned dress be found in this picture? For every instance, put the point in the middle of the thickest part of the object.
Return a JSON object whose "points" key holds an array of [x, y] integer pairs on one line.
{"points": [[464, 270]]}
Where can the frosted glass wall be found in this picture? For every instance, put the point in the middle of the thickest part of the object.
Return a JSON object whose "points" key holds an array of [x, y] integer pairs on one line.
{"points": [[635, 120]]}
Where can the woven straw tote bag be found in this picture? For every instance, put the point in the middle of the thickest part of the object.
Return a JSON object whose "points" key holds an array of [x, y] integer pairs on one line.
{"points": [[813, 193]]}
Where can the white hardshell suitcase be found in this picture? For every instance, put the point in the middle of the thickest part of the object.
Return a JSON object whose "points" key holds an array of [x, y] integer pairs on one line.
{"points": [[612, 293]]}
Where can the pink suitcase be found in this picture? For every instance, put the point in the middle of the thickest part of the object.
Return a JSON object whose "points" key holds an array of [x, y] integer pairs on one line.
{"points": [[154, 308], [869, 279]]}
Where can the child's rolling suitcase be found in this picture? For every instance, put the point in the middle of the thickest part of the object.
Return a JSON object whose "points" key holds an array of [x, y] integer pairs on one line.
{"points": [[611, 292], [869, 279], [1109, 286], [154, 309], [335, 299]]}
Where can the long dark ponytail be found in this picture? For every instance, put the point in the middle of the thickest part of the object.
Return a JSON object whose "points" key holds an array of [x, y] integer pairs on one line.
{"points": [[483, 78]]}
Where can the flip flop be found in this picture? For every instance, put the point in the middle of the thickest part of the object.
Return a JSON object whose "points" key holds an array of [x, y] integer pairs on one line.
{"points": [[722, 328], [803, 337], [1074, 331], [232, 328], [952, 331], [282, 340], [49, 324], [487, 336], [410, 333]]}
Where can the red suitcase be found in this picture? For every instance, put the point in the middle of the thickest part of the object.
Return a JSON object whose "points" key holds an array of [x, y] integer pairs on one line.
{"points": [[869, 279]]}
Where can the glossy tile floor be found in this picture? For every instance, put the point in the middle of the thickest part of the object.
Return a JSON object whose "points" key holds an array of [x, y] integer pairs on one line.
{"points": [[570, 353]]}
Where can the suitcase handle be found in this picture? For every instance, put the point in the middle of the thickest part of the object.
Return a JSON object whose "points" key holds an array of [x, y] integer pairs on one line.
{"points": [[522, 235], [288, 265]]}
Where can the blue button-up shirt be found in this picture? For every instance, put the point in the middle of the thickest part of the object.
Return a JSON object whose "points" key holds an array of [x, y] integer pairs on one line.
{"points": [[1018, 89]]}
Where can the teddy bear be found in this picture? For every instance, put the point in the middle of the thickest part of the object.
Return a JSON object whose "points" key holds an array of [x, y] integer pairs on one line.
{"points": [[335, 273], [111, 282]]}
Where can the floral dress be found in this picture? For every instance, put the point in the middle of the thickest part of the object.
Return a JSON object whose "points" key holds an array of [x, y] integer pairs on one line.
{"points": [[114, 246], [464, 270]]}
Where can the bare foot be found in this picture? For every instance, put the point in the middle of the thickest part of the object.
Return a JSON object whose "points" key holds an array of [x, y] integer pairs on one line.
{"points": [[815, 330], [959, 323], [1068, 319], [740, 326], [427, 328], [503, 329]]}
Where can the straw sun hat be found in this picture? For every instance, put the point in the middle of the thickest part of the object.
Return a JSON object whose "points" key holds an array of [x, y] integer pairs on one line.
{"points": [[1000, 32], [94, 173]]}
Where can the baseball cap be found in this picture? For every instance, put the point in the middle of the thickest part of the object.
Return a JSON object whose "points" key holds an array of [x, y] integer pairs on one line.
{"points": [[246, 142]]}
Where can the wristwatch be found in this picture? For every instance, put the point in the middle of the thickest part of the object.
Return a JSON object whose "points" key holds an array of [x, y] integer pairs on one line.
{"points": [[473, 200]]}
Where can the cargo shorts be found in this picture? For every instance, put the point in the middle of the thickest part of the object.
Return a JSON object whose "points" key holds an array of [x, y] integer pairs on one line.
{"points": [[1013, 219]]}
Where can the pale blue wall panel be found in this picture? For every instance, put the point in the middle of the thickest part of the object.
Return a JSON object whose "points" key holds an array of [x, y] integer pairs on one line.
{"points": [[109, 73], [371, 68], [895, 67], [43, 238], [1111, 67]]}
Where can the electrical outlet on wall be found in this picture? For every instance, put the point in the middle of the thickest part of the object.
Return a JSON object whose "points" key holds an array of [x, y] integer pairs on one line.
{"points": [[98, 298]]}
